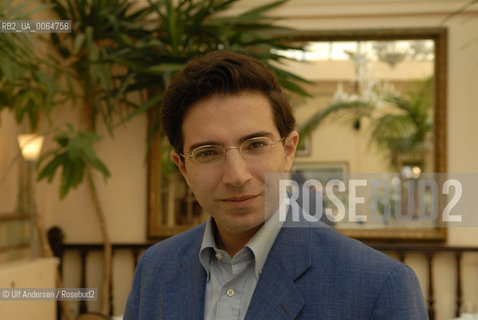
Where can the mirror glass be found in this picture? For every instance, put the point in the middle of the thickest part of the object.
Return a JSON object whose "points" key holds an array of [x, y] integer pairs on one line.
{"points": [[372, 102], [377, 106]]}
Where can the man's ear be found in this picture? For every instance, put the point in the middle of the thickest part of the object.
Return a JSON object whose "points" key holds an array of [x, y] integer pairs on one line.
{"points": [[179, 161], [290, 147]]}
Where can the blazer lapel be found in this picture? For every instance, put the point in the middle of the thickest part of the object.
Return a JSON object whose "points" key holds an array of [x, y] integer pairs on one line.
{"points": [[276, 296], [185, 290]]}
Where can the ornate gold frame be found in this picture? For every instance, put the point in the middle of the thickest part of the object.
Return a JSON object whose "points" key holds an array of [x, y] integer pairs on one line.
{"points": [[439, 36], [158, 230]]}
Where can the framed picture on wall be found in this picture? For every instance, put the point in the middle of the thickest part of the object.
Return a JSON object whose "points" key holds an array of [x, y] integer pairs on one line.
{"points": [[311, 196]]}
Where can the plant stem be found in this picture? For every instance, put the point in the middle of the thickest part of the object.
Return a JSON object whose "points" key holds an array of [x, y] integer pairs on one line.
{"points": [[46, 251], [105, 305]]}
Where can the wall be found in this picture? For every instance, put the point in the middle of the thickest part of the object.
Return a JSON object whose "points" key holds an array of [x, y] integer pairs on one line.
{"points": [[123, 197]]}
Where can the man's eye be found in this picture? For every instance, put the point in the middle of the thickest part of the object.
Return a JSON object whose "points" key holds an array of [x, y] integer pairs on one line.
{"points": [[206, 153], [256, 145]]}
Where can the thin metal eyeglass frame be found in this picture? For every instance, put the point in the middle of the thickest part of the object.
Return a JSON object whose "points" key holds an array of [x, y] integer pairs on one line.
{"points": [[191, 155]]}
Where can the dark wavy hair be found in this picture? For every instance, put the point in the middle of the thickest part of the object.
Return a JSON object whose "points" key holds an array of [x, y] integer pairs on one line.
{"points": [[221, 72]]}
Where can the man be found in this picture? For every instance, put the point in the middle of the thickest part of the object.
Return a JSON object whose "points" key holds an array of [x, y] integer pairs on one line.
{"points": [[230, 123]]}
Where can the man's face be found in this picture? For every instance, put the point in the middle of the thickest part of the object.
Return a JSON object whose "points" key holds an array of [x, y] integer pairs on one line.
{"points": [[233, 191]]}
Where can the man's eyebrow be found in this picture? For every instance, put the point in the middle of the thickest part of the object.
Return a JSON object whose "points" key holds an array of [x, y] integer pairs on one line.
{"points": [[216, 143], [203, 143], [257, 134]]}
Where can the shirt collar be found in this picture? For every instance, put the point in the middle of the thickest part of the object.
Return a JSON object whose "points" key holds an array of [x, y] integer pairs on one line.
{"points": [[208, 246], [260, 244]]}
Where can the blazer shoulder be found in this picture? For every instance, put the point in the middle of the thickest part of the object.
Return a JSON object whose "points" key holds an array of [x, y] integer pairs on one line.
{"points": [[351, 250], [365, 280], [165, 272]]}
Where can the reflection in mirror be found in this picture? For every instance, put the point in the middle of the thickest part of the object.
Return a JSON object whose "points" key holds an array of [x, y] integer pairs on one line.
{"points": [[377, 105], [371, 103]]}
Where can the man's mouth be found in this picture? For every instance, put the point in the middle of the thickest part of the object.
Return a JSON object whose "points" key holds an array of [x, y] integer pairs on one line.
{"points": [[240, 201]]}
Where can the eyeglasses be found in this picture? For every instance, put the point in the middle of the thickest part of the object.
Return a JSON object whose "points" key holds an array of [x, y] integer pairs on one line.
{"points": [[249, 149]]}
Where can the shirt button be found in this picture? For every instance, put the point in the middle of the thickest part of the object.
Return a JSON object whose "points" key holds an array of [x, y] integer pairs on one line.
{"points": [[230, 292], [218, 256]]}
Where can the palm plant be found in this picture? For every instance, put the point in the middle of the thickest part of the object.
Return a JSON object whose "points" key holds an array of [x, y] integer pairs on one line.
{"points": [[405, 129], [182, 30], [84, 58], [27, 85], [400, 124]]}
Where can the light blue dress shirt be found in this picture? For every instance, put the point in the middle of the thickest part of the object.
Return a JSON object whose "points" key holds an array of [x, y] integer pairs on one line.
{"points": [[231, 280]]}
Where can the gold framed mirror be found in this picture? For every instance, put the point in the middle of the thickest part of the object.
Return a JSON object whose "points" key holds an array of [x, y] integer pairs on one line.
{"points": [[171, 208], [349, 66]]}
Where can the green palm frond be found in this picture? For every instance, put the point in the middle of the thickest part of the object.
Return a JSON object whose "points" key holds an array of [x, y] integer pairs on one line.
{"points": [[73, 154], [395, 132], [27, 81], [356, 108], [99, 28], [184, 29], [398, 128]]}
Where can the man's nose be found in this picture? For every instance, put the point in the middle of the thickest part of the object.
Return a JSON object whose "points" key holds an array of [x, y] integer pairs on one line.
{"points": [[236, 171]]}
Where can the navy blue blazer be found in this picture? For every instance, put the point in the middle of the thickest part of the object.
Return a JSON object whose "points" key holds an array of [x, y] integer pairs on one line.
{"points": [[310, 273]]}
